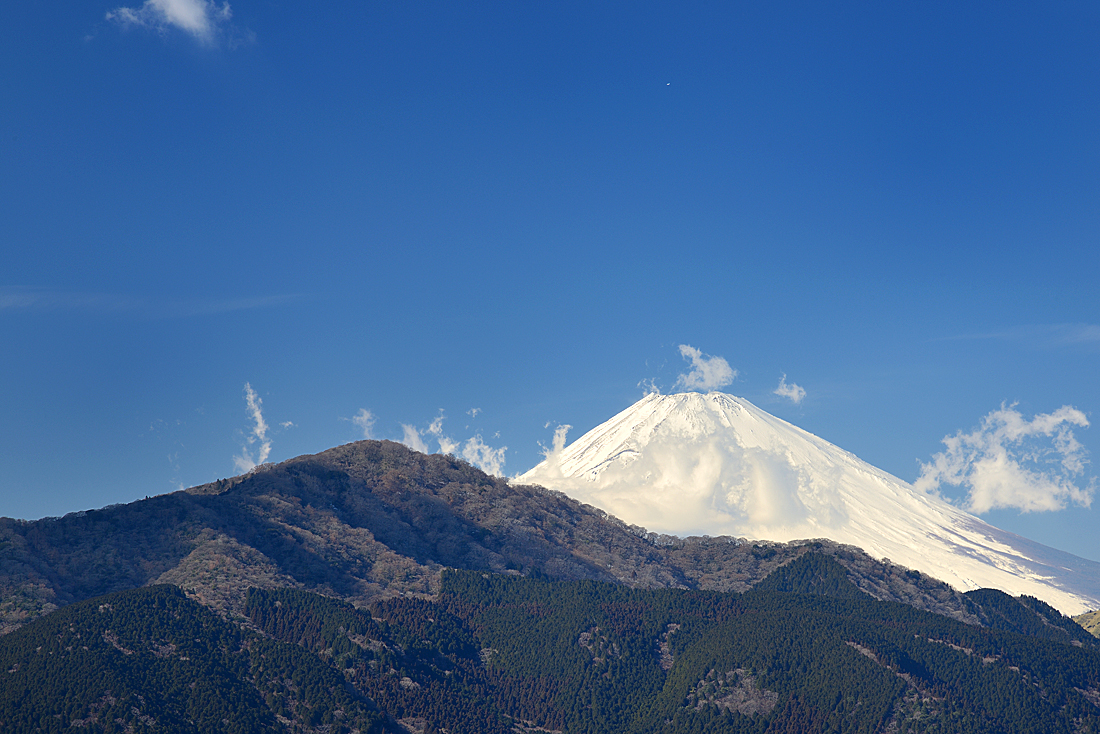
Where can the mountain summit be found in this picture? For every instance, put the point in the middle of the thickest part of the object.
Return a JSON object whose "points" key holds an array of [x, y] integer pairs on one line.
{"points": [[692, 464]]}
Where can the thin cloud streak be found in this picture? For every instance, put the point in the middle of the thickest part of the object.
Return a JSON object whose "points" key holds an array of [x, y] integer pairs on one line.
{"points": [[15, 299], [244, 462], [212, 307]]}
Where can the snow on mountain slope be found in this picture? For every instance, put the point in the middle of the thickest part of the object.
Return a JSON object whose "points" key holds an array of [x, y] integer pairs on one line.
{"points": [[714, 464]]}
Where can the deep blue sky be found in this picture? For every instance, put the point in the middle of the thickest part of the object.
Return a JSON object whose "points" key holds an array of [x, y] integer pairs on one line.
{"points": [[525, 209]]}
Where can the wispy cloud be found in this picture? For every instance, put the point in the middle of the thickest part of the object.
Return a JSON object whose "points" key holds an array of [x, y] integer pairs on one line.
{"points": [[473, 450], [548, 472], [365, 420], [14, 299], [245, 461], [791, 391], [558, 442], [435, 429], [707, 372], [201, 19], [413, 440], [1012, 462], [211, 307], [484, 457]]}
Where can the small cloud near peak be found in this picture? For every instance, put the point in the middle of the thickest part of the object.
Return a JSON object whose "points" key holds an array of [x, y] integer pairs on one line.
{"points": [[707, 371], [791, 391], [365, 420]]}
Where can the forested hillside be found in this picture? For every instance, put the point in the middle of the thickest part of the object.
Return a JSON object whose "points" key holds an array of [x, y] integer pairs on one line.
{"points": [[804, 652], [152, 660]]}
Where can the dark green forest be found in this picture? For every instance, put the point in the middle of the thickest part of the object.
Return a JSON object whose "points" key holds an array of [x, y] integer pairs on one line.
{"points": [[805, 651]]}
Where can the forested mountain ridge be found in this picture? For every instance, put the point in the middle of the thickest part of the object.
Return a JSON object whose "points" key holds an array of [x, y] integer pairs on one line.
{"points": [[504, 654], [372, 520], [451, 601]]}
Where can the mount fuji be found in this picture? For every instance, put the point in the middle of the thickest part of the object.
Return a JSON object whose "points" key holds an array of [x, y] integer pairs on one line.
{"points": [[714, 464]]}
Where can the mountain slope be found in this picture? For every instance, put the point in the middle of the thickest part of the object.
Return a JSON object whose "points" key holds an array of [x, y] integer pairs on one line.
{"points": [[716, 464], [372, 520]]}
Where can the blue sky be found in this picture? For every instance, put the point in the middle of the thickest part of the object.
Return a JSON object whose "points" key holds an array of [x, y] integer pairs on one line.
{"points": [[512, 215]]}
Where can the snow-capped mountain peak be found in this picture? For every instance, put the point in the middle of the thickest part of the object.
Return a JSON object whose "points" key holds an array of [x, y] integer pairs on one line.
{"points": [[715, 464]]}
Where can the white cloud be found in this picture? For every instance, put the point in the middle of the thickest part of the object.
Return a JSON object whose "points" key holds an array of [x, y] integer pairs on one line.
{"points": [[548, 472], [791, 391], [446, 444], [199, 18], [436, 426], [472, 412], [1013, 462], [558, 441], [484, 457], [414, 437], [474, 450], [707, 372], [245, 462], [413, 440], [365, 420]]}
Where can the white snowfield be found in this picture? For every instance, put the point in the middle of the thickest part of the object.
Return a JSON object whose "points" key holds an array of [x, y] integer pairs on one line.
{"points": [[714, 464]]}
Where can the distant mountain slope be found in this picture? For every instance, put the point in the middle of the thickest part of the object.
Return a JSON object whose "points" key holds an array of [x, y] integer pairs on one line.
{"points": [[693, 463]]}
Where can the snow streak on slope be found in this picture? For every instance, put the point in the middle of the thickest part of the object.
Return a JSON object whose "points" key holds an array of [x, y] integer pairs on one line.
{"points": [[693, 464]]}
